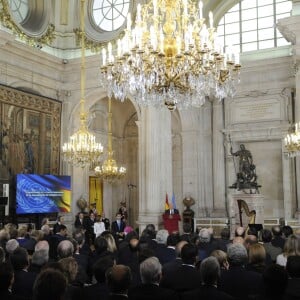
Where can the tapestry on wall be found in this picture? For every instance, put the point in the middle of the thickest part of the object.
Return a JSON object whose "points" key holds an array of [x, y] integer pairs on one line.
{"points": [[29, 133]]}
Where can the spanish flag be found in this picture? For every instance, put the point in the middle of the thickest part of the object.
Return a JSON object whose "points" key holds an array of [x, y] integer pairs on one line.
{"points": [[167, 206]]}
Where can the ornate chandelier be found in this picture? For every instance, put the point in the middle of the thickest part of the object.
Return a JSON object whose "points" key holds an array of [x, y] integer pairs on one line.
{"points": [[82, 149], [169, 58], [292, 142], [110, 171]]}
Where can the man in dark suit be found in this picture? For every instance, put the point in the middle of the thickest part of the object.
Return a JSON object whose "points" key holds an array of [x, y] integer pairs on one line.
{"points": [[118, 280], [171, 210], [79, 221], [6, 280], [105, 221], [150, 270], [99, 289], [186, 277], [210, 274], [24, 280], [173, 266], [118, 226], [60, 221], [237, 281]]}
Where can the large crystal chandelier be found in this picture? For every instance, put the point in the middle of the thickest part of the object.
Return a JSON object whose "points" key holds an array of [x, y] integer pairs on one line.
{"points": [[169, 58], [82, 149], [110, 171], [292, 142]]}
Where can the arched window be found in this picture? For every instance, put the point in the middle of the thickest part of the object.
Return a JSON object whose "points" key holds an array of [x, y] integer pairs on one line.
{"points": [[251, 24], [110, 15], [19, 9]]}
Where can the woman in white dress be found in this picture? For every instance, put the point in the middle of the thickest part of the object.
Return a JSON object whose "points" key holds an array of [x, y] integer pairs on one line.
{"points": [[99, 227]]}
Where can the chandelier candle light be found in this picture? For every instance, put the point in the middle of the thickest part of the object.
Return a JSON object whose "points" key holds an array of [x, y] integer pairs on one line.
{"points": [[82, 149], [169, 58], [292, 142], [110, 171]]}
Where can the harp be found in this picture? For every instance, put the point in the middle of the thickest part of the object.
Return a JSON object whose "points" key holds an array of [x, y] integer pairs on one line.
{"points": [[243, 206]]}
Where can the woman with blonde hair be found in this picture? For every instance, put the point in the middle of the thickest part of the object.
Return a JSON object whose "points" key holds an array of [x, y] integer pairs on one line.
{"points": [[221, 256], [111, 244], [257, 258], [291, 248]]}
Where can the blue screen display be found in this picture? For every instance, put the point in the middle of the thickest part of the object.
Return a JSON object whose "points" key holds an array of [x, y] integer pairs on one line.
{"points": [[43, 194]]}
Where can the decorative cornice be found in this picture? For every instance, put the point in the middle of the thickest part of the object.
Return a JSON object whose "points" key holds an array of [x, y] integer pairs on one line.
{"points": [[93, 45], [7, 21]]}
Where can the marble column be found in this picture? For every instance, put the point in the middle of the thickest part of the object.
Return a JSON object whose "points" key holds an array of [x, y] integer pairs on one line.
{"points": [[290, 29], [218, 160], [155, 165]]}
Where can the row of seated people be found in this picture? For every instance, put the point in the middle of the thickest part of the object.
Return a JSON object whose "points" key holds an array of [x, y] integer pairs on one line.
{"points": [[152, 265]]}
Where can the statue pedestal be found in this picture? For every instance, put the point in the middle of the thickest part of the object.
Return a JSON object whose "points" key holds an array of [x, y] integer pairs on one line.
{"points": [[254, 202]]}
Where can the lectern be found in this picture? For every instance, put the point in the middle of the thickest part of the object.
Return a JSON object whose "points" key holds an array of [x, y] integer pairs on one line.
{"points": [[171, 222]]}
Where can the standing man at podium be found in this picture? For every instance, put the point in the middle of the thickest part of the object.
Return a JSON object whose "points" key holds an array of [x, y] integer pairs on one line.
{"points": [[171, 218]]}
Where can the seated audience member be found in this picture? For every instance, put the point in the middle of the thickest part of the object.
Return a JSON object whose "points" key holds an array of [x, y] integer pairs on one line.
{"points": [[6, 281], [40, 257], [22, 235], [204, 245], [238, 240], [222, 243], [11, 246], [174, 265], [278, 240], [250, 240], [150, 271], [210, 274], [79, 237], [65, 249], [111, 244], [291, 247], [271, 250], [32, 239], [162, 252], [148, 236], [240, 231], [55, 239], [50, 285], [4, 237], [186, 277], [257, 258], [187, 232], [70, 268], [274, 283], [292, 291], [98, 290], [45, 229], [237, 281], [221, 256], [118, 280], [287, 231], [128, 255], [23, 280], [101, 246]]}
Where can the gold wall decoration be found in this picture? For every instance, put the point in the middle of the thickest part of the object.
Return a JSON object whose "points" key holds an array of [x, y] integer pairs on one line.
{"points": [[96, 193], [29, 133], [8, 22]]}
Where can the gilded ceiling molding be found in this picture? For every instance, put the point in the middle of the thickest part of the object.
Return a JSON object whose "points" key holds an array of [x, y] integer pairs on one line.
{"points": [[8, 22], [93, 45]]}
